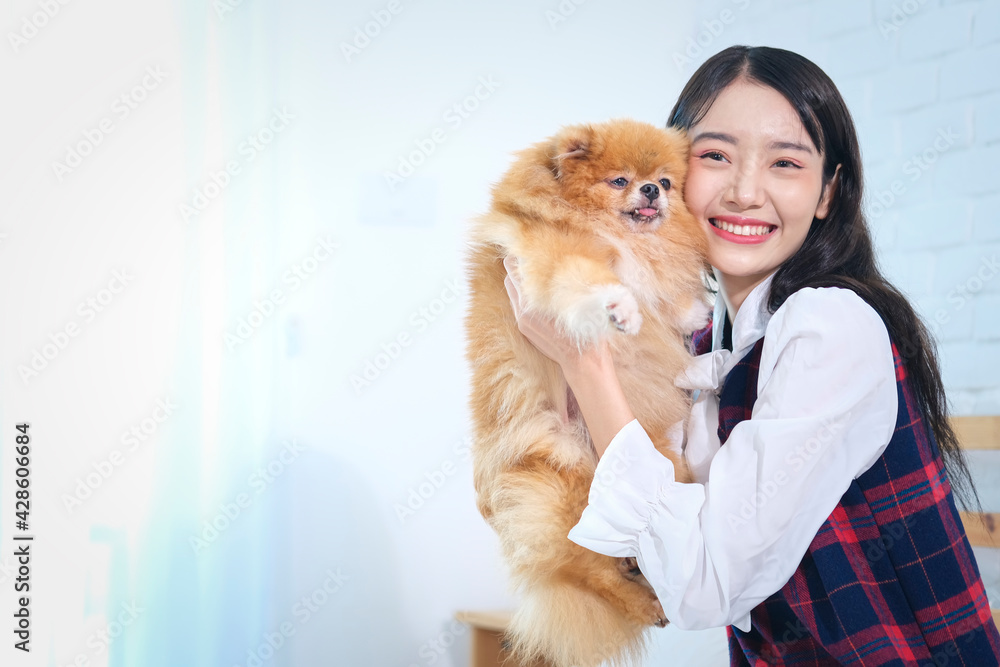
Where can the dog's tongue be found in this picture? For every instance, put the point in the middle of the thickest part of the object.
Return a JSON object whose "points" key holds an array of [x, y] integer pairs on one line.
{"points": [[647, 211]]}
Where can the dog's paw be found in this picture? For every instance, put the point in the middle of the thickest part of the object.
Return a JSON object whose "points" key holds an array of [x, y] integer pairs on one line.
{"points": [[603, 310], [649, 611], [623, 311], [653, 613], [629, 567]]}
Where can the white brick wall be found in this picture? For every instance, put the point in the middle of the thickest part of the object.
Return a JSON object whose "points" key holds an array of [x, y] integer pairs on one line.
{"points": [[971, 71], [919, 127], [987, 121], [984, 221], [987, 323], [922, 79], [904, 87], [986, 24], [949, 27]]}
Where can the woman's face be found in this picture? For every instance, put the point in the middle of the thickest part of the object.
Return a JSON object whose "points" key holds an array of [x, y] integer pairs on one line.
{"points": [[753, 171]]}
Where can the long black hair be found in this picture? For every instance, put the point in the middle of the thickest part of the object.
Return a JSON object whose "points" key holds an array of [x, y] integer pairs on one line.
{"points": [[838, 249]]}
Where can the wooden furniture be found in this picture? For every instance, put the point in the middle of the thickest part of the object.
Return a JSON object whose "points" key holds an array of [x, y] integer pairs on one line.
{"points": [[981, 433], [487, 639]]}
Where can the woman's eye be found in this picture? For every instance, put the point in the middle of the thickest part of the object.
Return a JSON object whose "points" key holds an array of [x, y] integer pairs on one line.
{"points": [[713, 155], [619, 182], [785, 163], [665, 183]]}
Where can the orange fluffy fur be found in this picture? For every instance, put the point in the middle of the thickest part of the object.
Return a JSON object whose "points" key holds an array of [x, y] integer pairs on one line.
{"points": [[585, 260]]}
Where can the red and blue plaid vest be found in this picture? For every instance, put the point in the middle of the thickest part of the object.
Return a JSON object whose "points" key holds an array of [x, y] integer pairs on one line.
{"points": [[890, 578]]}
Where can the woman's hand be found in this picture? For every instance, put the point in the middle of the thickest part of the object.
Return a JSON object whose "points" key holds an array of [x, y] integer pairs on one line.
{"points": [[590, 373], [543, 333]]}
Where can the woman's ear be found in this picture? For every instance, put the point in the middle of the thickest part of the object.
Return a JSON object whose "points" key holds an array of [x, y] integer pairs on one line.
{"points": [[829, 190]]}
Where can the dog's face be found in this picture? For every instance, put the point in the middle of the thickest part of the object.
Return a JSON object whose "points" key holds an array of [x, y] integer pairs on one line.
{"points": [[631, 169]]}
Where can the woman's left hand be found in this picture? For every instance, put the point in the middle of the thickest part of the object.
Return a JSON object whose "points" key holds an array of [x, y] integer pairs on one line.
{"points": [[542, 331], [589, 373]]}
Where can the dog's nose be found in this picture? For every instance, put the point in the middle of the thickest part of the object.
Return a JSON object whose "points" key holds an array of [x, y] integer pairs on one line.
{"points": [[651, 191]]}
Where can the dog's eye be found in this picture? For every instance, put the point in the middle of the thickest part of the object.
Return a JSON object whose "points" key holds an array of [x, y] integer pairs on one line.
{"points": [[665, 183], [620, 182]]}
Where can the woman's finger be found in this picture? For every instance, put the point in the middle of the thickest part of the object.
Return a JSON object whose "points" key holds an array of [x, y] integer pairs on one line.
{"points": [[514, 295], [510, 263]]}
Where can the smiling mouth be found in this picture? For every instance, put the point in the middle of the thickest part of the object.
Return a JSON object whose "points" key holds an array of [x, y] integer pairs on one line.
{"points": [[743, 230], [643, 215]]}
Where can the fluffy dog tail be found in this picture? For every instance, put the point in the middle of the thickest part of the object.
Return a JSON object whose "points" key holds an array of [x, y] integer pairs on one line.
{"points": [[571, 627]]}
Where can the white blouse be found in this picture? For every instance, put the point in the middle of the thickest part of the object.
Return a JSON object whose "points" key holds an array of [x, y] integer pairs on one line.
{"points": [[825, 411]]}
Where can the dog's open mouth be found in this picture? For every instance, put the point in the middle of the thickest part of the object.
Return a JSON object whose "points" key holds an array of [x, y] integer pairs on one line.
{"points": [[643, 215]]}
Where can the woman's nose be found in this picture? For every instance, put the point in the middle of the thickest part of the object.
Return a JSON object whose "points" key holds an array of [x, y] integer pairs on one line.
{"points": [[745, 189]]}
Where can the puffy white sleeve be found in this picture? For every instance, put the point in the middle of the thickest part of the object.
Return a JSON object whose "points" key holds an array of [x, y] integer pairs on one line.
{"points": [[825, 411]]}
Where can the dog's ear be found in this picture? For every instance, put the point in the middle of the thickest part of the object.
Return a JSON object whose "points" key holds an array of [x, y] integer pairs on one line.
{"points": [[572, 144]]}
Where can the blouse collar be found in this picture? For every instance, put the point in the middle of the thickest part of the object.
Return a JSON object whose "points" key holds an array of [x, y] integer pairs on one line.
{"points": [[751, 319], [708, 371]]}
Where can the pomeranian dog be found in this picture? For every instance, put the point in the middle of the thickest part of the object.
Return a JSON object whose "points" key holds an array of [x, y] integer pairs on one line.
{"points": [[604, 246]]}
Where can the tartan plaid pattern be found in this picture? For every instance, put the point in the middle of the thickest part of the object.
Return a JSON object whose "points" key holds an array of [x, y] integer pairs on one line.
{"points": [[701, 340], [739, 392], [890, 578]]}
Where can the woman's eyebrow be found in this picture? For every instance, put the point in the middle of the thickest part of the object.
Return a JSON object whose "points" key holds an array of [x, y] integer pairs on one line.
{"points": [[730, 139], [789, 145], [718, 136]]}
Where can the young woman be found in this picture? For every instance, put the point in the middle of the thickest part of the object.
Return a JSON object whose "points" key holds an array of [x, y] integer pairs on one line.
{"points": [[822, 528]]}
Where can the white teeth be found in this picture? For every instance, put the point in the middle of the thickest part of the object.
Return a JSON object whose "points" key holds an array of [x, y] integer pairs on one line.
{"points": [[742, 230]]}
